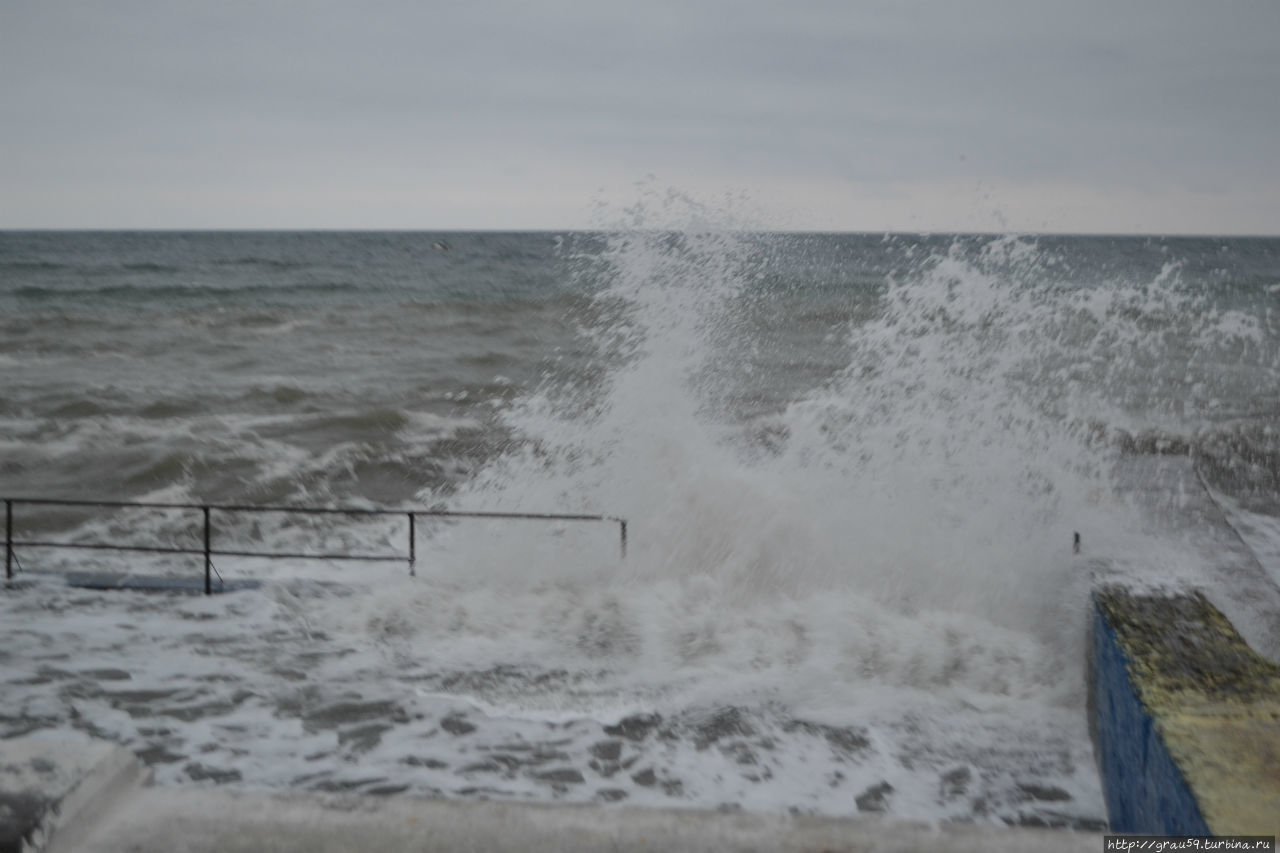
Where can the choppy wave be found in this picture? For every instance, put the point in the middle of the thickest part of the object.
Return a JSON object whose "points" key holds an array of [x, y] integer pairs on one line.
{"points": [[178, 293], [852, 468]]}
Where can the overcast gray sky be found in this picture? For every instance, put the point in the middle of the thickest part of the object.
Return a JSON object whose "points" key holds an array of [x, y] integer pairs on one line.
{"points": [[1119, 116]]}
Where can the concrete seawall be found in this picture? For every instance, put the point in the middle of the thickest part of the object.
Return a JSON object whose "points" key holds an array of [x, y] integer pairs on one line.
{"points": [[1186, 718]]}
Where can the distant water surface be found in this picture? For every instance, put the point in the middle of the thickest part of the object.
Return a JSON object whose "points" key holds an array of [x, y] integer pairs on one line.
{"points": [[852, 466]]}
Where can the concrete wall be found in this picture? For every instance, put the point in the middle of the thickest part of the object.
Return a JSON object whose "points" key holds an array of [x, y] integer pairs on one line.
{"points": [[1186, 718]]}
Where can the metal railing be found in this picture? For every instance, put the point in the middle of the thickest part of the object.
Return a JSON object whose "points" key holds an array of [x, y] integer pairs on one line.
{"points": [[209, 552]]}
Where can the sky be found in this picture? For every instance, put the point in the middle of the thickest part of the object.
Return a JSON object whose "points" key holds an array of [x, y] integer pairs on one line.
{"points": [[1124, 116]]}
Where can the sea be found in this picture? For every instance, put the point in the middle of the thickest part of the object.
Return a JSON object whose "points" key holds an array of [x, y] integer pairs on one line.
{"points": [[852, 470]]}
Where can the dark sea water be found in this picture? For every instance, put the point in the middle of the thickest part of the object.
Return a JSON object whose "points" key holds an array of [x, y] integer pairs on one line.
{"points": [[851, 466]]}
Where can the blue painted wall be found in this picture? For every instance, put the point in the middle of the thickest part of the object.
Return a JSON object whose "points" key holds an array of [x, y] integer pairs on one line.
{"points": [[1144, 789]]}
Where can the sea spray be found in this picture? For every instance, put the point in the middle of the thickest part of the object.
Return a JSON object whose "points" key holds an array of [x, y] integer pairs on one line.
{"points": [[852, 468], [894, 560], [898, 478], [938, 476]]}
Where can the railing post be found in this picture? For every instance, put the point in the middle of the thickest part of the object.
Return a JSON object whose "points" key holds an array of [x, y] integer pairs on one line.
{"points": [[622, 526], [208, 556], [413, 556], [8, 539]]}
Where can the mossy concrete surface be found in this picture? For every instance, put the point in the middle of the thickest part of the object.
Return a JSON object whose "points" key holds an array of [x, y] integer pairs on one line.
{"points": [[1204, 697]]}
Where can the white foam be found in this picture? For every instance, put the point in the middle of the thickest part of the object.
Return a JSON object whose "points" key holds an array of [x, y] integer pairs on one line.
{"points": [[896, 562]]}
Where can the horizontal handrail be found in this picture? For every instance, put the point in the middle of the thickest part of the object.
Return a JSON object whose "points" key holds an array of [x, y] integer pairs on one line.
{"points": [[317, 510], [208, 551], [216, 552], [95, 546]]}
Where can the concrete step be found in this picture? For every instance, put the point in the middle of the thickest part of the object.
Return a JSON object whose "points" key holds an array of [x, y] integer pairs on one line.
{"points": [[54, 788]]}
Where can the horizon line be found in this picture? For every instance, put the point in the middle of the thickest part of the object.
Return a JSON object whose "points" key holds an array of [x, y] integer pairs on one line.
{"points": [[925, 232]]}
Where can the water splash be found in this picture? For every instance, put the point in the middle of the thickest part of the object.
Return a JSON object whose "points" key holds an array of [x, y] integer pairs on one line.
{"points": [[852, 470], [915, 501]]}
